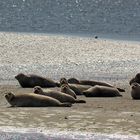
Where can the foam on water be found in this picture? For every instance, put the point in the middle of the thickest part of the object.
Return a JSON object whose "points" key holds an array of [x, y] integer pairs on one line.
{"points": [[7, 133]]}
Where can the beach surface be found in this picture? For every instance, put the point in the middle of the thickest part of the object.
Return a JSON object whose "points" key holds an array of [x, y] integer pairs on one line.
{"points": [[56, 56]]}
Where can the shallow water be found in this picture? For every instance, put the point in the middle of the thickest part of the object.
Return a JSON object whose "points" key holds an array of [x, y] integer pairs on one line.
{"points": [[34, 134], [78, 16]]}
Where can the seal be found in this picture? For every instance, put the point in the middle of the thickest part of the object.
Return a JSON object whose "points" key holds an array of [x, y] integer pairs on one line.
{"points": [[92, 83], [136, 79], [32, 80], [101, 91], [77, 88], [33, 100], [62, 97], [66, 89], [63, 81], [135, 91]]}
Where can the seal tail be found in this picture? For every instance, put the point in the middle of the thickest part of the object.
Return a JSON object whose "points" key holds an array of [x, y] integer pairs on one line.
{"points": [[75, 96], [65, 105], [80, 101], [85, 93], [120, 95], [121, 90]]}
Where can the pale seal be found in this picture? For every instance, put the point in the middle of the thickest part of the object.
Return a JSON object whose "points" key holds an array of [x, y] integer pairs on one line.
{"points": [[66, 89], [136, 79], [101, 91], [62, 97], [33, 100], [77, 88]]}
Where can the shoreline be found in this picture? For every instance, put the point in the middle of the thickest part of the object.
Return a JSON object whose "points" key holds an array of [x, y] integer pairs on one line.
{"points": [[132, 38], [68, 135]]}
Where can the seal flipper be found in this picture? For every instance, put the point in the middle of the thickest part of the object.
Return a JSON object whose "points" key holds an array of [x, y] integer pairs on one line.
{"points": [[119, 95], [65, 105], [121, 90], [80, 101]]}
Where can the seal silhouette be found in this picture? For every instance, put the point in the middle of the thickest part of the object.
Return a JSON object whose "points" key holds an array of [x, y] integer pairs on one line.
{"points": [[32, 80], [135, 91], [92, 83], [77, 88], [136, 79], [101, 91], [62, 97], [33, 100], [66, 89]]}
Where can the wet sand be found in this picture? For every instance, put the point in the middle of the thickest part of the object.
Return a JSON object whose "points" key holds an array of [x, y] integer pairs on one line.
{"points": [[63, 56]]}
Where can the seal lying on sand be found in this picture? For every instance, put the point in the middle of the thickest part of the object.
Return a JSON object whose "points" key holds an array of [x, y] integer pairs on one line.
{"points": [[62, 97], [32, 80], [66, 89], [135, 91], [33, 100], [101, 91], [63, 81], [136, 79], [92, 83], [77, 88]]}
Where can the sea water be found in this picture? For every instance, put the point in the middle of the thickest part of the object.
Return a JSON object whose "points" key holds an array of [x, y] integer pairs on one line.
{"points": [[84, 17]]}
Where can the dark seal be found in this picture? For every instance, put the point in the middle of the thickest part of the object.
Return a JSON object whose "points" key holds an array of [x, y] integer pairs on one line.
{"points": [[135, 91], [136, 79], [32, 80], [91, 83]]}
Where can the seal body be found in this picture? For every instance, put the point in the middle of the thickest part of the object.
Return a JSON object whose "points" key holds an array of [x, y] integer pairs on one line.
{"points": [[87, 82], [66, 89], [135, 91], [101, 91], [77, 88], [91, 83], [63, 81], [136, 79], [33, 100], [32, 80], [62, 97]]}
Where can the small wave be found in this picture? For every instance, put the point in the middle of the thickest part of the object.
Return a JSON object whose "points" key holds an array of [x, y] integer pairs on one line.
{"points": [[38, 134]]}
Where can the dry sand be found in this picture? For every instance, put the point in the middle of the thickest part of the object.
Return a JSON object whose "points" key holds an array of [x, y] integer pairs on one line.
{"points": [[59, 56]]}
